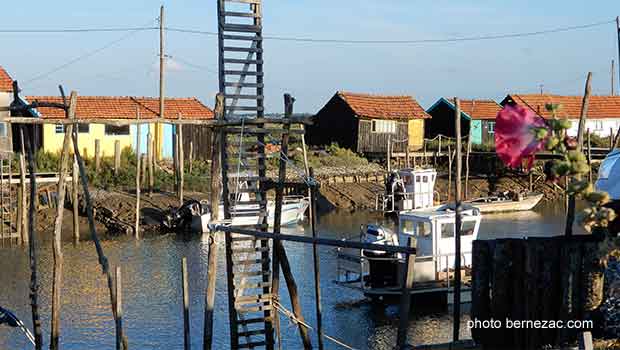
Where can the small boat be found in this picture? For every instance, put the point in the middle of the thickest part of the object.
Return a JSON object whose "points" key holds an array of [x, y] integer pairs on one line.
{"points": [[407, 189], [506, 201], [378, 274]]}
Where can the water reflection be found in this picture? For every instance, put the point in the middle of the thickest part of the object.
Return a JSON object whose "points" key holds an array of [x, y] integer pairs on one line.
{"points": [[152, 290]]}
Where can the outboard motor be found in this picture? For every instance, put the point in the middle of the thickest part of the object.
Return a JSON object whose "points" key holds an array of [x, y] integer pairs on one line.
{"points": [[181, 218]]}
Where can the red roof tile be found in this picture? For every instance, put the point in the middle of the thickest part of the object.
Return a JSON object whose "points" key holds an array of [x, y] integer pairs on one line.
{"points": [[383, 107], [6, 83], [598, 107], [480, 109], [124, 107]]}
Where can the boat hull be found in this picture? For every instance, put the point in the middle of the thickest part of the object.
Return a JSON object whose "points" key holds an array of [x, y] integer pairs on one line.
{"points": [[293, 211], [527, 203]]}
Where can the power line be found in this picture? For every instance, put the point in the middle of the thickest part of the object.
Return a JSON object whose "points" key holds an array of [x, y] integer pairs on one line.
{"points": [[76, 30], [415, 41], [81, 57], [192, 65]]}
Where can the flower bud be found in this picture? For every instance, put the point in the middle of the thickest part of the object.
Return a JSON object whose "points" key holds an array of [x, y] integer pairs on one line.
{"points": [[575, 156], [560, 168], [551, 143], [570, 143], [579, 168], [541, 133]]}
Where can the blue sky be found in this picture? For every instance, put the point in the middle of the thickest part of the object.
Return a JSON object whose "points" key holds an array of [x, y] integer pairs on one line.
{"points": [[312, 72]]}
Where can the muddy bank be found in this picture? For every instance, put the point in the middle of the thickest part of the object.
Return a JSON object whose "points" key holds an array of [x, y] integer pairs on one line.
{"points": [[361, 195]]}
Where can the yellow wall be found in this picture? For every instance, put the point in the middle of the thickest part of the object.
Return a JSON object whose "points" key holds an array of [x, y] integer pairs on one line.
{"points": [[52, 141], [416, 134]]}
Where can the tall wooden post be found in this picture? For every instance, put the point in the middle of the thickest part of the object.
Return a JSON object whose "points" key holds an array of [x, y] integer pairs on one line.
{"points": [[97, 155], [23, 219], [456, 321], [117, 156], [75, 201], [613, 78], [589, 157], [467, 152], [405, 298], [150, 160], [138, 157], [57, 241], [162, 69], [180, 164], [315, 257], [34, 286], [618, 32], [570, 214], [143, 170], [186, 326], [449, 172], [119, 310], [191, 157], [214, 199], [279, 254], [389, 153]]}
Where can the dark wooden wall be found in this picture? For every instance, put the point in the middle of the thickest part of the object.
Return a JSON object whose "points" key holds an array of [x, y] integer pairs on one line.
{"points": [[487, 139], [376, 143], [200, 136], [334, 123], [442, 122]]}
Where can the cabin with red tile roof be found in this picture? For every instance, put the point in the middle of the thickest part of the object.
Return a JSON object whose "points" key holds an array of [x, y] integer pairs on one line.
{"points": [[6, 97], [365, 122], [477, 120], [98, 109], [603, 116]]}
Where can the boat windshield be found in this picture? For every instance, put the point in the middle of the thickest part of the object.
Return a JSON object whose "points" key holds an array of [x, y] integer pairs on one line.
{"points": [[467, 229], [416, 228]]}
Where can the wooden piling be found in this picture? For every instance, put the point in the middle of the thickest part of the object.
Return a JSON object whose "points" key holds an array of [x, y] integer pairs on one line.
{"points": [[611, 139], [190, 159], [138, 168], [143, 170], [186, 325], [589, 157], [180, 165], [34, 286], [405, 297], [467, 152], [117, 156], [214, 199], [449, 172], [75, 202], [118, 308], [389, 153], [456, 321], [23, 203], [279, 254], [315, 257], [97, 155], [570, 215], [149, 156]]}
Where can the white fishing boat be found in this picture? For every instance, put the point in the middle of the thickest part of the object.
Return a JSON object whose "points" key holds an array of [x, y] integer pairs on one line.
{"points": [[407, 189], [378, 274], [505, 202]]}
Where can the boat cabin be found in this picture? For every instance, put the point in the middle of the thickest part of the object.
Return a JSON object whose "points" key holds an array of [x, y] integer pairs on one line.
{"points": [[408, 189], [433, 231]]}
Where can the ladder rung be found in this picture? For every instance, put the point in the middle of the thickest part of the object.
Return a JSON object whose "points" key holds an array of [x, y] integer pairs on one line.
{"points": [[250, 250], [247, 239], [251, 274], [253, 285], [242, 61], [246, 215], [241, 14], [242, 72], [248, 85], [253, 320], [241, 49], [244, 97], [250, 178], [259, 308], [252, 332], [250, 261], [244, 28], [240, 37], [254, 344], [252, 202]]}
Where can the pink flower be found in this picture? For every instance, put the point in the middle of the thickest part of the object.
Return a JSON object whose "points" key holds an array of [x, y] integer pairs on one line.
{"points": [[515, 135]]}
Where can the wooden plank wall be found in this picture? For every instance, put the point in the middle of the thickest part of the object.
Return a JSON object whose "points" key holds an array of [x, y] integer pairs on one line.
{"points": [[200, 136], [372, 142]]}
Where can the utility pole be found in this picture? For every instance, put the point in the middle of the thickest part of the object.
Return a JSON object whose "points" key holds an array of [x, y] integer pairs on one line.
{"points": [[613, 75], [162, 63], [618, 32], [541, 86]]}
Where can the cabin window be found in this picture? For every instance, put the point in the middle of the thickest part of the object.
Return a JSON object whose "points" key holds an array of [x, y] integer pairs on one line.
{"points": [[3, 130], [467, 229], [384, 126], [117, 130], [60, 128], [83, 128], [598, 125], [417, 178], [416, 228], [425, 179], [447, 230], [491, 128]]}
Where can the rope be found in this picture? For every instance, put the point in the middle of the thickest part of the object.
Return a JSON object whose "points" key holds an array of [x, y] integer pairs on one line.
{"points": [[294, 319]]}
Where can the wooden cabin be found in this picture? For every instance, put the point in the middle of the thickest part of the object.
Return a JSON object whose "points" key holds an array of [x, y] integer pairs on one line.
{"points": [[603, 111], [6, 97], [477, 120], [364, 123]]}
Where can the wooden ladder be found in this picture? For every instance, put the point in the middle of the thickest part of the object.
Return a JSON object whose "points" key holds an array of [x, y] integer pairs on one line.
{"points": [[248, 263], [8, 201]]}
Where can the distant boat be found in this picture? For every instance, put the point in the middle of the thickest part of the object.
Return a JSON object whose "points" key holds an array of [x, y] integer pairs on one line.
{"points": [[504, 203]]}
